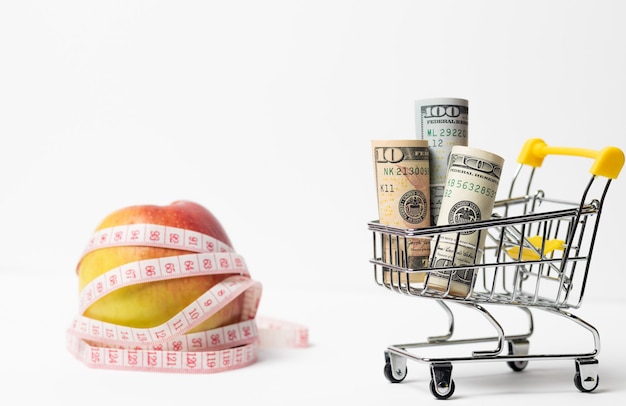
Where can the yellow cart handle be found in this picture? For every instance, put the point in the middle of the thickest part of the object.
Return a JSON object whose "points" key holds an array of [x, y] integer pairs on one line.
{"points": [[608, 161]]}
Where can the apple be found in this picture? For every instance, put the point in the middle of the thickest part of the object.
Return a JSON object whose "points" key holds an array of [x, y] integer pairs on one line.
{"points": [[154, 303]]}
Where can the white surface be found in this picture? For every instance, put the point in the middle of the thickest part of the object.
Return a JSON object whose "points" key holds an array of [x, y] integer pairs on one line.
{"points": [[349, 331], [263, 112]]}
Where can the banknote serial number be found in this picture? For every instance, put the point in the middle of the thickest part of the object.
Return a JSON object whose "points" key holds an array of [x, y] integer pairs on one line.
{"points": [[405, 171], [458, 184], [445, 132]]}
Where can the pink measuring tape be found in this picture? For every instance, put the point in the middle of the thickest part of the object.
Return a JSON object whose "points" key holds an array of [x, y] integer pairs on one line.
{"points": [[170, 346]]}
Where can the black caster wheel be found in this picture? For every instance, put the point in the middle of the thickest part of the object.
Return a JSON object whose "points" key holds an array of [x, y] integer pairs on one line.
{"points": [[395, 367], [586, 378], [397, 377], [517, 366], [441, 383], [442, 392], [588, 386], [519, 347]]}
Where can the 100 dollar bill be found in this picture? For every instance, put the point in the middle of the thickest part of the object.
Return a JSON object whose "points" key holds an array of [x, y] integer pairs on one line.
{"points": [[443, 123], [469, 195]]}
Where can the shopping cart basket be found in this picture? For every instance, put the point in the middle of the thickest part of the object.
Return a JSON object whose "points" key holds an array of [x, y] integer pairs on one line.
{"points": [[536, 255]]}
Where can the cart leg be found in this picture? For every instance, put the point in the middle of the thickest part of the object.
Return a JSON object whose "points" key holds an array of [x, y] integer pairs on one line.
{"points": [[450, 315], [441, 384], [586, 378], [496, 325], [395, 367]]}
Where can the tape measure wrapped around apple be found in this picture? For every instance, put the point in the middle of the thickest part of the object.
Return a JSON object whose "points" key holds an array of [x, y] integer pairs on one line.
{"points": [[162, 289]]}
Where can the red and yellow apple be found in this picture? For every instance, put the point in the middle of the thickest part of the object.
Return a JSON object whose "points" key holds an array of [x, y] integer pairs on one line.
{"points": [[151, 304]]}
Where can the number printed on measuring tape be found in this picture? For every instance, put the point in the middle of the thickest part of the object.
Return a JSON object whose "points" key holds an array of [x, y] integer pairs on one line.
{"points": [[154, 235], [201, 309], [159, 269]]}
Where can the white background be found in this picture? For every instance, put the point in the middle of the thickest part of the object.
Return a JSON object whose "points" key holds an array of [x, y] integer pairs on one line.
{"points": [[263, 112]]}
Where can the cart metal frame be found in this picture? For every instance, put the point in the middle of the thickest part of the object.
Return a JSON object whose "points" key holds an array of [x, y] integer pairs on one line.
{"points": [[536, 256]]}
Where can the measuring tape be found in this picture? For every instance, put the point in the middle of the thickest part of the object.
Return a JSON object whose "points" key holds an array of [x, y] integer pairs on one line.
{"points": [[170, 346]]}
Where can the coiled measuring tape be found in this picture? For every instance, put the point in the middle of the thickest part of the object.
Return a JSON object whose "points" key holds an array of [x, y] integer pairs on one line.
{"points": [[170, 346]]}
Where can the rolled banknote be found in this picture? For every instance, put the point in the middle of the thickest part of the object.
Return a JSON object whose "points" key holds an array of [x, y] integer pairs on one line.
{"points": [[402, 182], [469, 196], [443, 123]]}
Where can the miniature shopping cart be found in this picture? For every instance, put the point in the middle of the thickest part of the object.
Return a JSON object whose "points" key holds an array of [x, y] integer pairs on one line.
{"points": [[536, 255]]}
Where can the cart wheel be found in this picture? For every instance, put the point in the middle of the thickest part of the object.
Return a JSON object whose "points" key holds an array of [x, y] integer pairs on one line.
{"points": [[518, 347], [517, 366], [441, 383], [399, 375], [586, 378], [442, 393], [395, 367], [588, 385]]}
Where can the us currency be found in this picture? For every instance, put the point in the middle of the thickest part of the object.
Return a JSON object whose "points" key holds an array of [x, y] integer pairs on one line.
{"points": [[403, 192], [443, 123], [470, 189]]}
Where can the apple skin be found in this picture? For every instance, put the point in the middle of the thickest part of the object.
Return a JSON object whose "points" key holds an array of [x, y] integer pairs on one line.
{"points": [[151, 304]]}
